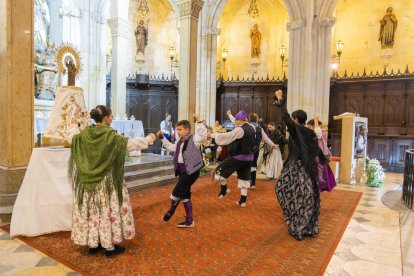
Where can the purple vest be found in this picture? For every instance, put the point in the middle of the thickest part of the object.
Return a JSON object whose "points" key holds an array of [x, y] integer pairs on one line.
{"points": [[193, 160]]}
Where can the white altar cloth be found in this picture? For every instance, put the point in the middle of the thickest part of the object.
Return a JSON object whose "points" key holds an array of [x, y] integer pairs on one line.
{"points": [[44, 202], [130, 128]]}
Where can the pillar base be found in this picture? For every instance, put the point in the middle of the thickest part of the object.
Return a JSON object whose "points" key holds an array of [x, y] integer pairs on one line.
{"points": [[11, 179]]}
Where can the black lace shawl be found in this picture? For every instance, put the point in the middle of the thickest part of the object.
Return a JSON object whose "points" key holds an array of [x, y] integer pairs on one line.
{"points": [[303, 143]]}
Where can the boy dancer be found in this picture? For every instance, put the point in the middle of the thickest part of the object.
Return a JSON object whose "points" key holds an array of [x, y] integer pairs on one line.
{"points": [[241, 141], [187, 164]]}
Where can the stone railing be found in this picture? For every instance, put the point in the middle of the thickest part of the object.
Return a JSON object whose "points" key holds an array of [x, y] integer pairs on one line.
{"points": [[408, 184]]}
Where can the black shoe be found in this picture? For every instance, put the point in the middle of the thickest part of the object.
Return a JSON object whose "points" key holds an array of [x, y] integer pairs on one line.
{"points": [[186, 224], [94, 250], [166, 217], [118, 250], [222, 194]]}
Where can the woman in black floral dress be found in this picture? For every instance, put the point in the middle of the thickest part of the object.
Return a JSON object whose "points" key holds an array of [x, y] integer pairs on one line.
{"points": [[297, 189]]}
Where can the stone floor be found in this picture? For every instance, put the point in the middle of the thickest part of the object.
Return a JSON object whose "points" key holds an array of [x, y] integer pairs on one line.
{"points": [[378, 241]]}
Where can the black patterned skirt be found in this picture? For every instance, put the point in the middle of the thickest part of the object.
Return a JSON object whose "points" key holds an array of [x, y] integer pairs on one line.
{"points": [[299, 198]]}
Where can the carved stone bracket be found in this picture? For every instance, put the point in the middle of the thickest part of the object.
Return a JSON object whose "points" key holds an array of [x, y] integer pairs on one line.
{"points": [[190, 8], [119, 27], [325, 21], [70, 12], [295, 25], [212, 31]]}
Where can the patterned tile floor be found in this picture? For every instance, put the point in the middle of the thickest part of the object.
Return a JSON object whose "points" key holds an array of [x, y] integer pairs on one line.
{"points": [[378, 241]]}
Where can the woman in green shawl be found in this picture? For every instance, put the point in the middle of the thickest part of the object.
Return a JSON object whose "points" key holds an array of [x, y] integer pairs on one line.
{"points": [[102, 215]]}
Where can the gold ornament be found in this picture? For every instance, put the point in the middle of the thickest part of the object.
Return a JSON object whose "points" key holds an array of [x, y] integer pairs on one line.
{"points": [[68, 53]]}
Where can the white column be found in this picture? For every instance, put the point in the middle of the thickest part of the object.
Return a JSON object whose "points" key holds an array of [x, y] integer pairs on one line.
{"points": [[309, 64], [208, 81], [119, 30], [189, 13]]}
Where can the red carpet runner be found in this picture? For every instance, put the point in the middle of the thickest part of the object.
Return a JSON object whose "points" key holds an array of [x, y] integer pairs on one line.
{"points": [[227, 239]]}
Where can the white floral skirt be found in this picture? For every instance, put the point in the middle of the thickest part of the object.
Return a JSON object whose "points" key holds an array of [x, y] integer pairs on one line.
{"points": [[272, 167], [107, 225]]}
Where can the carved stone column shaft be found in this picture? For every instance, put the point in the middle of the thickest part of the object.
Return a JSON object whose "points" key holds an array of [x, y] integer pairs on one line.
{"points": [[309, 65], [189, 13], [17, 97], [119, 30]]}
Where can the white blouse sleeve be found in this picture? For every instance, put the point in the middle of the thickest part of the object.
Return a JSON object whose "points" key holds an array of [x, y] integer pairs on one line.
{"points": [[168, 145], [318, 132], [138, 143], [232, 119], [227, 138], [267, 139], [200, 134]]}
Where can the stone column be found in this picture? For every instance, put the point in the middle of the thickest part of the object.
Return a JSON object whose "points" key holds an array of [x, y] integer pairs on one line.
{"points": [[119, 30], [309, 64], [207, 102], [17, 97], [189, 13]]}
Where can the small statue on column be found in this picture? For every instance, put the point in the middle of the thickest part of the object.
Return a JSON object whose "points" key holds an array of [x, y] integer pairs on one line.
{"points": [[388, 28], [256, 38]]}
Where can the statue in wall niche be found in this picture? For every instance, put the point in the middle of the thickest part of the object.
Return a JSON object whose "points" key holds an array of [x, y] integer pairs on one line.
{"points": [[388, 28], [256, 38], [46, 73], [41, 24], [141, 37]]}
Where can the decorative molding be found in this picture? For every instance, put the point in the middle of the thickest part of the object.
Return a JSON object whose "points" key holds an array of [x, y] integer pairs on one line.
{"points": [[119, 27], [70, 12], [325, 21], [371, 75], [190, 8], [254, 79], [295, 25], [212, 31]]}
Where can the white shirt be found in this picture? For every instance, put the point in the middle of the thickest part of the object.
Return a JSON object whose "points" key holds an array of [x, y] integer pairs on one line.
{"points": [[199, 137], [264, 135]]}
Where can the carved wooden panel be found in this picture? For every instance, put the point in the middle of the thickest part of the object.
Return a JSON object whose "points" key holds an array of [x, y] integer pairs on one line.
{"points": [[401, 147], [394, 109], [150, 102], [251, 97]]}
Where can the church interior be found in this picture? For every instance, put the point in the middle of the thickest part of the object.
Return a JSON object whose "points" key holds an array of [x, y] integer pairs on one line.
{"points": [[212, 67]]}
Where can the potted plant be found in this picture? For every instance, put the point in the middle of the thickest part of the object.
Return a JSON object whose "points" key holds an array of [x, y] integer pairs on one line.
{"points": [[375, 173]]}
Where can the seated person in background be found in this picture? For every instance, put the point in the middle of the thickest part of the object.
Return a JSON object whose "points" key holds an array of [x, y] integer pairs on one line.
{"points": [[220, 129], [167, 127], [209, 148]]}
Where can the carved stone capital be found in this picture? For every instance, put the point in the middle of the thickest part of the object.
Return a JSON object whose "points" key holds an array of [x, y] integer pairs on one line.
{"points": [[70, 12], [119, 27], [295, 25], [190, 8], [325, 21], [212, 31]]}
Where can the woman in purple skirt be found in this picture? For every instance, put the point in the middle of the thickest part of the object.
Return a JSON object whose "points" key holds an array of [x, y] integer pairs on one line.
{"points": [[326, 178]]}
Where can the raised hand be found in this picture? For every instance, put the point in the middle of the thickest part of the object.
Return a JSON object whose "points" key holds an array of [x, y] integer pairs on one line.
{"points": [[228, 112], [279, 95], [196, 117], [160, 134]]}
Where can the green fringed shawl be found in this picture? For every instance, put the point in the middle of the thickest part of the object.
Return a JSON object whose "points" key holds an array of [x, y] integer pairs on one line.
{"points": [[97, 160]]}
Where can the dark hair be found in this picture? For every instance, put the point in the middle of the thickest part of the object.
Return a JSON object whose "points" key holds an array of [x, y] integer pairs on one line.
{"points": [[167, 114], [184, 123], [100, 112], [300, 115], [253, 117], [271, 123], [312, 122]]}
